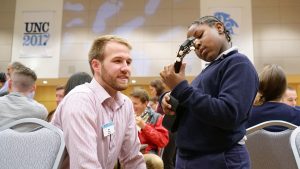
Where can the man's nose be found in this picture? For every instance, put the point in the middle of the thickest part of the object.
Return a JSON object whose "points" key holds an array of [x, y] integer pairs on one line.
{"points": [[125, 66]]}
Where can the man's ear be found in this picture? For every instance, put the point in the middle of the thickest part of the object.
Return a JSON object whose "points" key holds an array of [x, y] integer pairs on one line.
{"points": [[96, 65], [9, 84], [33, 89], [220, 27]]}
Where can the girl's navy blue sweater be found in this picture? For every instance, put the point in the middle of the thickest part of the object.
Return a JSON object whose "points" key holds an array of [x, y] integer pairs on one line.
{"points": [[213, 110]]}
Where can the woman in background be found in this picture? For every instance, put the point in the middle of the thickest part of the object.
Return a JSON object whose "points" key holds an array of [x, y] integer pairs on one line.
{"points": [[77, 79], [157, 88], [268, 104]]}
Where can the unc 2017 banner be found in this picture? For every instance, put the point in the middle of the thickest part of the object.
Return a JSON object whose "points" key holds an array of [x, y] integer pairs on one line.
{"points": [[37, 30], [37, 35]]}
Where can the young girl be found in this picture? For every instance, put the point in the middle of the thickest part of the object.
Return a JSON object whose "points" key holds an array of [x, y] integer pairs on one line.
{"points": [[212, 111]]}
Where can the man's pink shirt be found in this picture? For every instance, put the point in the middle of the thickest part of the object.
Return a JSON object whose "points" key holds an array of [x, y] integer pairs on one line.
{"points": [[81, 115]]}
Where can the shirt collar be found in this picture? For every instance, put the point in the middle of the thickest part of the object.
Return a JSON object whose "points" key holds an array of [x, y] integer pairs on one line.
{"points": [[16, 94], [102, 94], [221, 56], [233, 48]]}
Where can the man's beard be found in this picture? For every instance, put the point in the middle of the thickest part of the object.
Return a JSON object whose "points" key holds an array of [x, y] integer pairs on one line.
{"points": [[109, 80]]}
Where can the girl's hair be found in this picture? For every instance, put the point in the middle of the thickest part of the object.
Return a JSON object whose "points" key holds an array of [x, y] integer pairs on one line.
{"points": [[211, 21], [272, 83], [77, 79]]}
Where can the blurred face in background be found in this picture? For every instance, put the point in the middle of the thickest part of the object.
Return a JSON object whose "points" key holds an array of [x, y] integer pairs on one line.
{"points": [[290, 97], [59, 95], [152, 91], [138, 105], [9, 70]]}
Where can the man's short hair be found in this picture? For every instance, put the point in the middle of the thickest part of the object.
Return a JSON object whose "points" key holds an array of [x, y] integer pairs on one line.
{"points": [[23, 79], [15, 66], [98, 46], [140, 94], [60, 87]]}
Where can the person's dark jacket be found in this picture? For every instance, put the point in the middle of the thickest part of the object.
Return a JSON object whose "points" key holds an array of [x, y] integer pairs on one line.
{"points": [[274, 111], [212, 112]]}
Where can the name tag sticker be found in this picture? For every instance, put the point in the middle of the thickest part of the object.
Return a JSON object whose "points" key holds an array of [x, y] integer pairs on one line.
{"points": [[108, 129]]}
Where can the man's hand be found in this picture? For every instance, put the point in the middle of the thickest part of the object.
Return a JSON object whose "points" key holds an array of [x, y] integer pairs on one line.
{"points": [[166, 106]]}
